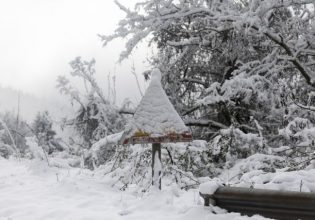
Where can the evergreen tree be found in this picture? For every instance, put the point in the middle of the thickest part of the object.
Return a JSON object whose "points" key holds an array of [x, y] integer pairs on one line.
{"points": [[43, 129]]}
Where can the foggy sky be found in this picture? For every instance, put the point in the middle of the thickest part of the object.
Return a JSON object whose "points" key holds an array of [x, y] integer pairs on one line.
{"points": [[40, 37]]}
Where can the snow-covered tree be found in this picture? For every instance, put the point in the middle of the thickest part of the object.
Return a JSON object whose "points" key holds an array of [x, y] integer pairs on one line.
{"points": [[246, 66], [42, 127], [96, 115], [5, 149], [13, 133]]}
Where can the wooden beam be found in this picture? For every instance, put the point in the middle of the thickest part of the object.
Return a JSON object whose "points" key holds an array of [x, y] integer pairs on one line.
{"points": [[170, 138]]}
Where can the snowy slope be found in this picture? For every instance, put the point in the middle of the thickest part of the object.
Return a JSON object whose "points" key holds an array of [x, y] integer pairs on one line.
{"points": [[30, 190], [155, 114]]}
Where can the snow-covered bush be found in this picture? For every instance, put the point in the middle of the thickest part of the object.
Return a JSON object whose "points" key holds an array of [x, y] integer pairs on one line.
{"points": [[37, 151], [105, 148], [13, 133], [97, 120], [42, 127], [131, 164], [96, 116], [5, 150], [297, 142]]}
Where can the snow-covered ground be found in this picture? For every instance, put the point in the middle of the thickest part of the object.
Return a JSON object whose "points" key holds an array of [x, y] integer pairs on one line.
{"points": [[32, 190]]}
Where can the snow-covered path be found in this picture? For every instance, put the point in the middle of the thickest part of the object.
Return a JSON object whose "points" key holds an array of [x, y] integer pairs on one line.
{"points": [[31, 190]]}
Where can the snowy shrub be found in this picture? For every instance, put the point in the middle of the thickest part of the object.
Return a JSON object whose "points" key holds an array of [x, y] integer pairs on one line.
{"points": [[130, 165], [241, 88], [13, 133], [257, 164], [96, 116], [299, 131], [299, 146], [104, 149], [42, 127], [185, 163], [37, 151], [97, 120], [5, 150]]}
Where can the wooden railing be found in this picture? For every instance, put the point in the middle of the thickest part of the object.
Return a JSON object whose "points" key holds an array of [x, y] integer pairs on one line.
{"points": [[274, 204]]}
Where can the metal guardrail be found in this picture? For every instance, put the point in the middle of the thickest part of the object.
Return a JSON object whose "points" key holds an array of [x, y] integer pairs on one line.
{"points": [[284, 205]]}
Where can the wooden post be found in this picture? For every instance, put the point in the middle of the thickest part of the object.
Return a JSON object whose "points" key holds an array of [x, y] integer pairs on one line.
{"points": [[156, 165]]}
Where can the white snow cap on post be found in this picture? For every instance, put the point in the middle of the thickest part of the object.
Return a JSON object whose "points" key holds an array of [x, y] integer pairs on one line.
{"points": [[155, 115]]}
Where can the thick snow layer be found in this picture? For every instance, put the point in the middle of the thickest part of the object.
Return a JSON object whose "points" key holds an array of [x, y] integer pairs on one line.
{"points": [[108, 140], [155, 114], [30, 190], [250, 172], [209, 187]]}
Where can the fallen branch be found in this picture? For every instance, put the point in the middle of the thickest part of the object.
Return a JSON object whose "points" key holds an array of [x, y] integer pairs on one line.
{"points": [[204, 123], [184, 174]]}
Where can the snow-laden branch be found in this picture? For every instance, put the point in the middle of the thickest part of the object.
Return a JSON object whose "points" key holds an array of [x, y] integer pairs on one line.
{"points": [[204, 123], [192, 80], [125, 111], [254, 19]]}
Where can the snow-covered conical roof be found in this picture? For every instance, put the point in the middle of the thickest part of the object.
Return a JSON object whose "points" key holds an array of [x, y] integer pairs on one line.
{"points": [[155, 116]]}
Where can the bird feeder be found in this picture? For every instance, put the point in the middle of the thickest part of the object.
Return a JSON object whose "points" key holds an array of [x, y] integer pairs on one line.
{"points": [[156, 121]]}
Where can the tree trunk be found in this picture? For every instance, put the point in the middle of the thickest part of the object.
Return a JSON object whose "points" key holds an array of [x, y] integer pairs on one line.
{"points": [[156, 165]]}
